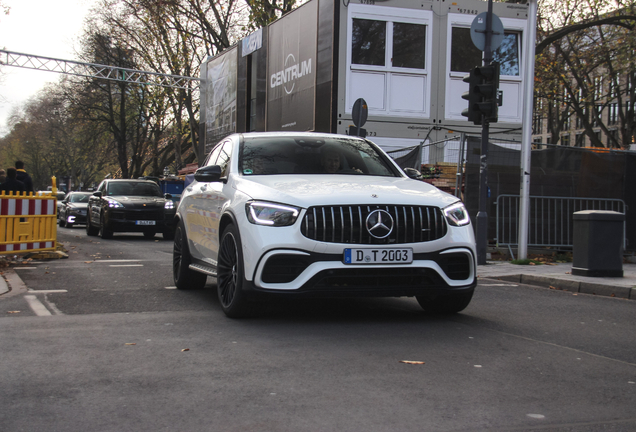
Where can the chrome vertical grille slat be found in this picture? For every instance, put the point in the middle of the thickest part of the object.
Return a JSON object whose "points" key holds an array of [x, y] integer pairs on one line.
{"points": [[411, 224]]}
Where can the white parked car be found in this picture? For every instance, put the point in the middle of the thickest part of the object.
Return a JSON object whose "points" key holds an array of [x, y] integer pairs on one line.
{"points": [[310, 214]]}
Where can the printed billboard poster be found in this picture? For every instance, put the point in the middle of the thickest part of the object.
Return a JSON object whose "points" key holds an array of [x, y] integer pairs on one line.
{"points": [[292, 70], [220, 98]]}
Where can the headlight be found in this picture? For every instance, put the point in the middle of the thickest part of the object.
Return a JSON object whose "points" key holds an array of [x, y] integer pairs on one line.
{"points": [[169, 205], [456, 214], [114, 204], [263, 213]]}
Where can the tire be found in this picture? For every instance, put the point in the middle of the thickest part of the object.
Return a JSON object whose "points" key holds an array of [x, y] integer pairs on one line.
{"points": [[104, 232], [69, 225], [184, 277], [445, 304], [230, 274], [149, 234], [90, 229], [168, 235], [61, 222]]}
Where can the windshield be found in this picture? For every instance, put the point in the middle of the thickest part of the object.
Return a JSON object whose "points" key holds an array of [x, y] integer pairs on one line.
{"points": [[307, 155], [79, 198], [134, 189]]}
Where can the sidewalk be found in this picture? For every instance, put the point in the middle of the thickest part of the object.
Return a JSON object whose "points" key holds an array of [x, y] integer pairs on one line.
{"points": [[559, 276]]}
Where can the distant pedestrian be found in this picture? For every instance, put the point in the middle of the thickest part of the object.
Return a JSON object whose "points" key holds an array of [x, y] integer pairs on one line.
{"points": [[23, 176], [3, 176], [11, 184]]}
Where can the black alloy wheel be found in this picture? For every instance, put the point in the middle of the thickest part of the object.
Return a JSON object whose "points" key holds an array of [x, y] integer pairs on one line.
{"points": [[104, 232], [61, 221], [230, 274], [90, 229], [184, 277]]}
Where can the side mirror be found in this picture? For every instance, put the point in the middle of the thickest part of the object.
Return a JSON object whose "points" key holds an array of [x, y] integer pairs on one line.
{"points": [[413, 173], [167, 196], [97, 194], [211, 173]]}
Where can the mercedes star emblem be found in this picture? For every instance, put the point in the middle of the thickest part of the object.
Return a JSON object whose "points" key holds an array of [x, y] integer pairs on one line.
{"points": [[379, 224]]}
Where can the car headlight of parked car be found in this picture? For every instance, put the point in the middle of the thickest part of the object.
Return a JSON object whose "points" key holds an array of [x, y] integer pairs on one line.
{"points": [[169, 205], [271, 214], [456, 214]]}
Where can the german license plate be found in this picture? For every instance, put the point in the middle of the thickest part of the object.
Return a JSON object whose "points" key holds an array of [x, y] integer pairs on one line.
{"points": [[145, 223], [378, 256]]}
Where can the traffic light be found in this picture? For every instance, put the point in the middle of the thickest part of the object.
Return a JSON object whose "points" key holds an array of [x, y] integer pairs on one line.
{"points": [[473, 97], [488, 91], [482, 94]]}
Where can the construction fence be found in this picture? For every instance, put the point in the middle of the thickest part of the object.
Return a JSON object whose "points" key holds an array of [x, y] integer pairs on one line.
{"points": [[28, 223], [561, 173]]}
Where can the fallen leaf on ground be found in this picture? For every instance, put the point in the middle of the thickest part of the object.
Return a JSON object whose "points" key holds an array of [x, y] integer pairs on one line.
{"points": [[130, 343], [14, 311], [185, 349], [412, 362]]}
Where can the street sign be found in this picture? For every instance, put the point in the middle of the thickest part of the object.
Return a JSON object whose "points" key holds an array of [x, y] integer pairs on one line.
{"points": [[478, 31]]}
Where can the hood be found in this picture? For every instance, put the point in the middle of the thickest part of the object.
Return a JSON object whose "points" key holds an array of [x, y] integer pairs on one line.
{"points": [[78, 205], [139, 201], [309, 190]]}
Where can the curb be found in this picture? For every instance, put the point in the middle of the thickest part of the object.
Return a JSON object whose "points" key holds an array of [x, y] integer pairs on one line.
{"points": [[573, 286], [11, 284]]}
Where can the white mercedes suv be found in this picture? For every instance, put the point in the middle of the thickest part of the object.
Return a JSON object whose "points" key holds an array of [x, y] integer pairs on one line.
{"points": [[308, 214]]}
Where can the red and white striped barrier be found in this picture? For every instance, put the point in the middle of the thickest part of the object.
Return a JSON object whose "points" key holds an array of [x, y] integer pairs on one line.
{"points": [[27, 223]]}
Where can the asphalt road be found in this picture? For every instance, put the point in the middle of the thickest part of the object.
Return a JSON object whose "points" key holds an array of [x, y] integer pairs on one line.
{"points": [[117, 348]]}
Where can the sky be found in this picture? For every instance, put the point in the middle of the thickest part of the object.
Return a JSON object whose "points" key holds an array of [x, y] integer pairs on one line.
{"points": [[47, 28]]}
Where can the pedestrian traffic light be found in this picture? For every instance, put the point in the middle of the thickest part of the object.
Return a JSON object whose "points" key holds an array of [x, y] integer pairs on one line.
{"points": [[488, 91], [482, 94], [473, 97]]}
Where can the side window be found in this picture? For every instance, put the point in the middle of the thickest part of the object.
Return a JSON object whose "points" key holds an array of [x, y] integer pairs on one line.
{"points": [[102, 187], [214, 155], [224, 158], [464, 54], [367, 44], [508, 54]]}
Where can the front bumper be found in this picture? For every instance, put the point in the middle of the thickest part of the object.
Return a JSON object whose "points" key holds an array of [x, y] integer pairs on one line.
{"points": [[139, 221], [313, 274]]}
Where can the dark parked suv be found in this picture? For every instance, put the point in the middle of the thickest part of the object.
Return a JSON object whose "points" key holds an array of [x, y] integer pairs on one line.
{"points": [[130, 206]]}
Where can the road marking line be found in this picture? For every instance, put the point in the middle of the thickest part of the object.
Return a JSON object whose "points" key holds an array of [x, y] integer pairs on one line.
{"points": [[115, 260], [126, 265], [47, 291], [38, 308]]}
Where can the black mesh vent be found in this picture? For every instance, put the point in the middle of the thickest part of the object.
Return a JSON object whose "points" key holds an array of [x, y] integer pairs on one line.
{"points": [[347, 224], [284, 268], [455, 265]]}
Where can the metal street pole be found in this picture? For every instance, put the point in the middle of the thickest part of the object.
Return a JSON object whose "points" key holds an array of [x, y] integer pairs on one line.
{"points": [[482, 214], [526, 142]]}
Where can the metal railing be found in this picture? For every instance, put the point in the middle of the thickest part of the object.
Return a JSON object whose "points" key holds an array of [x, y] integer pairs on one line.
{"points": [[551, 218]]}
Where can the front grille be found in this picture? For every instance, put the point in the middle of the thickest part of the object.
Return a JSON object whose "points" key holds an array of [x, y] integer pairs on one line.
{"points": [[347, 224], [135, 214]]}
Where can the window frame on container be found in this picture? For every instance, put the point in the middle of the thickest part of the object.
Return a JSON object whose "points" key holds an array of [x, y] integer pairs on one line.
{"points": [[391, 16]]}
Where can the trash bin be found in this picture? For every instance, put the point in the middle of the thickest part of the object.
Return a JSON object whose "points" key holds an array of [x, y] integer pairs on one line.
{"points": [[598, 243]]}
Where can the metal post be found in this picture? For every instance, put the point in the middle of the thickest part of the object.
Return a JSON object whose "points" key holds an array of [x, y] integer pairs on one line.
{"points": [[482, 215], [459, 177], [526, 142]]}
